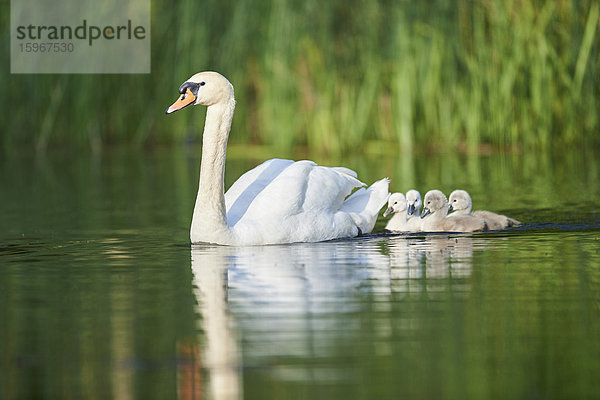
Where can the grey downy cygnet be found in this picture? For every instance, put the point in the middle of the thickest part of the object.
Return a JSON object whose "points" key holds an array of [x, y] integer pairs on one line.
{"points": [[435, 216], [460, 202]]}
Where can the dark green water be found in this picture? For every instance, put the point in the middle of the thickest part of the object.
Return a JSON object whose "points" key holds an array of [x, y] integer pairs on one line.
{"points": [[101, 295]]}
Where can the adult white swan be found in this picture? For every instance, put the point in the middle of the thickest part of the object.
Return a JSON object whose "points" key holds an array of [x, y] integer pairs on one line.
{"points": [[280, 201]]}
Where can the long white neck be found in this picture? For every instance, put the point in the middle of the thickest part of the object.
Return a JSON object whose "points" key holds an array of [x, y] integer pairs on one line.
{"points": [[209, 223]]}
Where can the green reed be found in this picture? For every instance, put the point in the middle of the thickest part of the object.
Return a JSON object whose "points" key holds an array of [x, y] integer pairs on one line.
{"points": [[339, 77]]}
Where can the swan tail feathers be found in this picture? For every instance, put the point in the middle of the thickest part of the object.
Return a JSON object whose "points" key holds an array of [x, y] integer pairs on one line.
{"points": [[363, 205], [346, 171], [513, 222], [380, 193]]}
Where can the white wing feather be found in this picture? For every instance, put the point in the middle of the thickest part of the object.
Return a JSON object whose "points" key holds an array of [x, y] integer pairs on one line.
{"points": [[312, 203]]}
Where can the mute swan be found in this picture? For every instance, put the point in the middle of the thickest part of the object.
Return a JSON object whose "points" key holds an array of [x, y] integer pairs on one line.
{"points": [[401, 221], [279, 201], [413, 200], [460, 202], [435, 219]]}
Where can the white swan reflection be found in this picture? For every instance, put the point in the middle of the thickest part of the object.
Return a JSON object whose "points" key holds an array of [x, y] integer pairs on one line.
{"points": [[282, 297], [220, 352]]}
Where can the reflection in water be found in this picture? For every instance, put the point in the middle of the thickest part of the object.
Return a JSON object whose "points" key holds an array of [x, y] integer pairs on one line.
{"points": [[96, 301], [415, 259], [271, 291], [221, 353], [122, 340]]}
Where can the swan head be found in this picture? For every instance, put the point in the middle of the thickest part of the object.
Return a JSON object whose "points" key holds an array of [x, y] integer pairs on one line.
{"points": [[434, 201], [396, 204], [204, 88], [459, 201], [413, 201]]}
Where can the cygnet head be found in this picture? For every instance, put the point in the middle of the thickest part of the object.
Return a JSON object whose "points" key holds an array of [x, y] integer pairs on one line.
{"points": [[413, 202], [460, 201], [434, 201], [204, 88], [396, 204]]}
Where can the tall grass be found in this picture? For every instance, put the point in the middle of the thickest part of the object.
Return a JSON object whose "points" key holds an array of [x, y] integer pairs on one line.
{"points": [[338, 77]]}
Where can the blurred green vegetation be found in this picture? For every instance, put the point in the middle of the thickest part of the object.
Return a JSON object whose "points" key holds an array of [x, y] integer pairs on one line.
{"points": [[338, 76]]}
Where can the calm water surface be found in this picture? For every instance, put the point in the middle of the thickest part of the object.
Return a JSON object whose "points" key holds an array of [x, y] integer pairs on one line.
{"points": [[101, 296]]}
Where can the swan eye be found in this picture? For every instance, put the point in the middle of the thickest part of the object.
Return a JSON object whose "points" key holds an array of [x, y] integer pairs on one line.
{"points": [[202, 83], [395, 202]]}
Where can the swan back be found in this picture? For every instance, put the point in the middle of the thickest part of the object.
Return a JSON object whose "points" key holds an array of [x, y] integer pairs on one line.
{"points": [[464, 223], [244, 191], [296, 187], [496, 221], [283, 201]]}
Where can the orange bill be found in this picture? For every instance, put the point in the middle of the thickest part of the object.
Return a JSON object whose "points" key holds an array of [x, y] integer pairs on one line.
{"points": [[183, 101]]}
